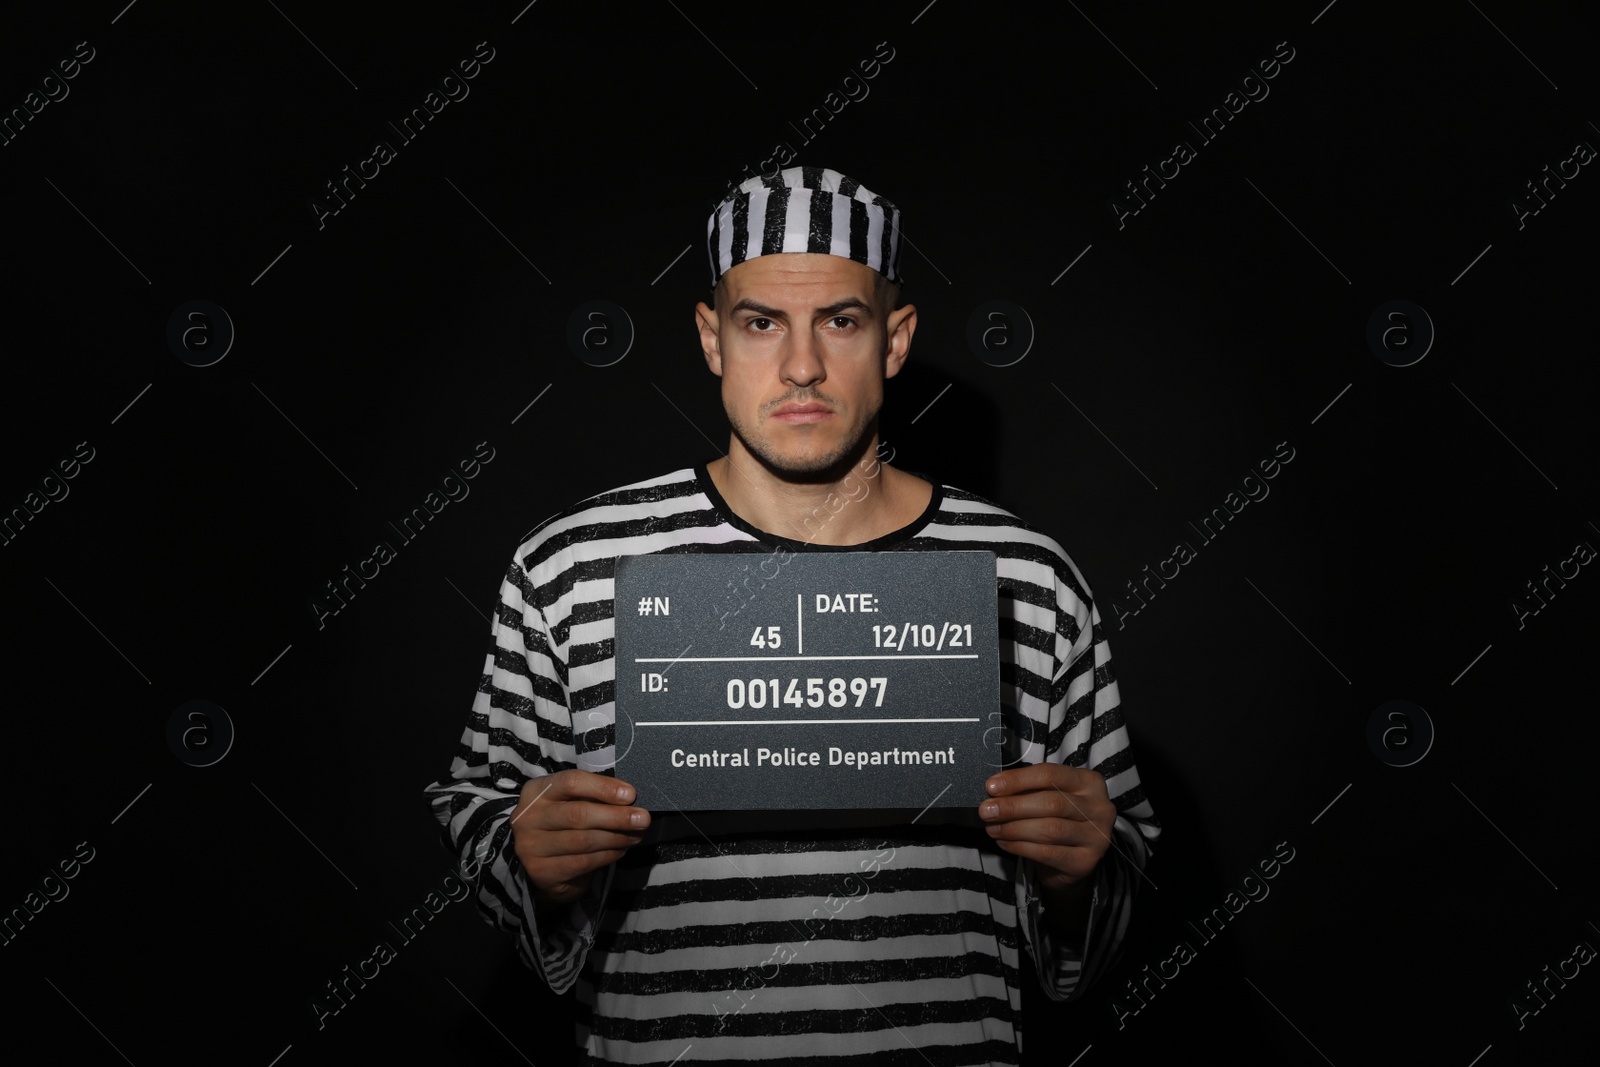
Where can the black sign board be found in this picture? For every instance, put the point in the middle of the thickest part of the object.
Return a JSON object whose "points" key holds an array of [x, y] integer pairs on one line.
{"points": [[867, 680]]}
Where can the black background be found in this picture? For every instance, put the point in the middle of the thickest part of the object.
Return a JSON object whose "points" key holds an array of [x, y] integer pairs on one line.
{"points": [[374, 353]]}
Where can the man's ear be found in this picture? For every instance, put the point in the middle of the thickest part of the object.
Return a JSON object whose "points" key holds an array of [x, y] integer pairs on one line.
{"points": [[710, 341], [902, 323]]}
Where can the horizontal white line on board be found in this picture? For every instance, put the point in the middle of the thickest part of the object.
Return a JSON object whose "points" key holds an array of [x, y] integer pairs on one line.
{"points": [[789, 722]]}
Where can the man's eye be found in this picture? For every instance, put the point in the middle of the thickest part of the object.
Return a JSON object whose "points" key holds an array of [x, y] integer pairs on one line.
{"points": [[753, 322], [847, 320]]}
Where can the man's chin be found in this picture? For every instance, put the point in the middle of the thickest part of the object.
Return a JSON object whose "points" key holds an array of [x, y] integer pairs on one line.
{"points": [[807, 466]]}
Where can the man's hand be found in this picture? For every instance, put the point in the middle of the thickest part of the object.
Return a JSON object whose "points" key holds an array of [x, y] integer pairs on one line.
{"points": [[568, 825], [1058, 816]]}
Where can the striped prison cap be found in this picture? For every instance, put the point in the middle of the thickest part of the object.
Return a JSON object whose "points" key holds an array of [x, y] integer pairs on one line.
{"points": [[804, 209]]}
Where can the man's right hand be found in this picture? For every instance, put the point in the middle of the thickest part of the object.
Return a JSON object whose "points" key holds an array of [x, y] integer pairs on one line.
{"points": [[568, 825]]}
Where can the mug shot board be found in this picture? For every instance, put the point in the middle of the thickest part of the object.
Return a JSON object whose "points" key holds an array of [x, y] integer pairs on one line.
{"points": [[863, 680]]}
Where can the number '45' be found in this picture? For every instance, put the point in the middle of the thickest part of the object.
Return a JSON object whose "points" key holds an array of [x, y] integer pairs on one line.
{"points": [[771, 639]]}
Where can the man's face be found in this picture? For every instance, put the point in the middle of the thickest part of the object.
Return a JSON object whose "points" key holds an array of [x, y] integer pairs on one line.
{"points": [[803, 330]]}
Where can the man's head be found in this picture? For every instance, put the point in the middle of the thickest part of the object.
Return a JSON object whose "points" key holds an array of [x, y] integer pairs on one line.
{"points": [[796, 325]]}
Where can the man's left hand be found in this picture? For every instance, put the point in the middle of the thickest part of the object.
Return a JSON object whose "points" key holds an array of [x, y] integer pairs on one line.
{"points": [[1058, 816]]}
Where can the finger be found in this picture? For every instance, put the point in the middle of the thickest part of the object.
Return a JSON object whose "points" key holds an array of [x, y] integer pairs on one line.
{"points": [[1040, 804], [548, 795], [589, 815], [1050, 803], [1057, 832], [574, 784], [1045, 776]]}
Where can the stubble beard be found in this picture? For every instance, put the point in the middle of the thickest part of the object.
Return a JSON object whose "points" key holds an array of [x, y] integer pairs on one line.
{"points": [[830, 466]]}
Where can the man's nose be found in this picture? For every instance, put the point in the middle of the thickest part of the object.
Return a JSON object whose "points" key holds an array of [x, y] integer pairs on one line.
{"points": [[802, 363]]}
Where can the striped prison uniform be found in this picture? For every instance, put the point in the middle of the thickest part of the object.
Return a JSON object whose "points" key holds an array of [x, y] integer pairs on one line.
{"points": [[892, 945]]}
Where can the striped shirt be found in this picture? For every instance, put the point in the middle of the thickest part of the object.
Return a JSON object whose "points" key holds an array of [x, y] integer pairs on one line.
{"points": [[896, 944]]}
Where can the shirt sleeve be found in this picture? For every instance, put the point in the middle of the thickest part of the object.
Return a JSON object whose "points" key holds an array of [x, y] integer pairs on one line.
{"points": [[1086, 729], [520, 727]]}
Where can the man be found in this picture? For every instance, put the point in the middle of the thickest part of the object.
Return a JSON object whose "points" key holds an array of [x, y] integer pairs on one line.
{"points": [[898, 943]]}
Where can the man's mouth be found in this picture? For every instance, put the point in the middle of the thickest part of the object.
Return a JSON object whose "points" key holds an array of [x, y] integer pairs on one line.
{"points": [[802, 413]]}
